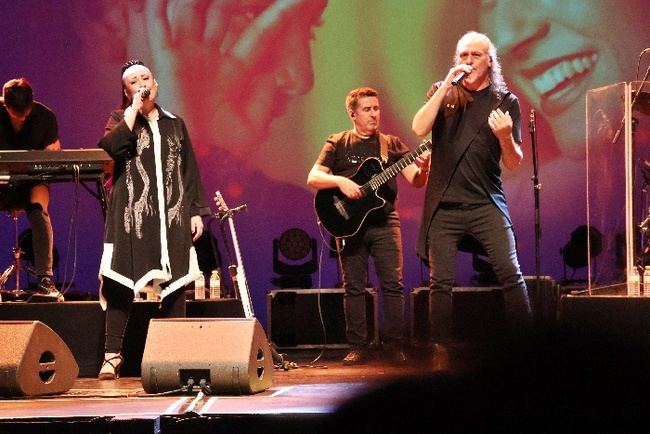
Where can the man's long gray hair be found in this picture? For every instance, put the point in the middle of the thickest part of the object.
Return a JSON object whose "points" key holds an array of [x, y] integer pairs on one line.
{"points": [[496, 77]]}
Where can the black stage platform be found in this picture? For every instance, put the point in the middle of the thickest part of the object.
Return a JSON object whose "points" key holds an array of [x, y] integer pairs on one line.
{"points": [[304, 396]]}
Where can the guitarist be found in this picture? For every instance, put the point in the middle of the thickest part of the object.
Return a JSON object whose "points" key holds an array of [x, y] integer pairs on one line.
{"points": [[379, 237]]}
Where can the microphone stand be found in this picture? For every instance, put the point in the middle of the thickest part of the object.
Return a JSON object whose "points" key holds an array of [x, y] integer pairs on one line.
{"points": [[232, 265], [536, 188]]}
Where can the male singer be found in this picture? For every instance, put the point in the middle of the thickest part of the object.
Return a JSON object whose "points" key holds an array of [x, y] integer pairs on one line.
{"points": [[474, 122]]}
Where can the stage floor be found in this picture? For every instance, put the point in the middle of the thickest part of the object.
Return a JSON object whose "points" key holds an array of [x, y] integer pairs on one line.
{"points": [[299, 399]]}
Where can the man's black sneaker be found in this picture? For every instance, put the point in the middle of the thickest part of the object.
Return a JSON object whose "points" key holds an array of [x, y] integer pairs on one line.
{"points": [[355, 357]]}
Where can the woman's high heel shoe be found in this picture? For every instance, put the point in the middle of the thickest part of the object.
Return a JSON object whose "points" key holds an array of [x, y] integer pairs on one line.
{"points": [[111, 367]]}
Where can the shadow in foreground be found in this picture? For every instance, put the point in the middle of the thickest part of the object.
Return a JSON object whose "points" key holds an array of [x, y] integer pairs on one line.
{"points": [[556, 379]]}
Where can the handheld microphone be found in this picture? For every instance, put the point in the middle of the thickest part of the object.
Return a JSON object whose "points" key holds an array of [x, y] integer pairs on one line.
{"points": [[458, 78], [144, 92]]}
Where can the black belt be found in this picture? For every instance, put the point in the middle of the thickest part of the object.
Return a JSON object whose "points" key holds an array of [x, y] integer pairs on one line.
{"points": [[460, 205]]}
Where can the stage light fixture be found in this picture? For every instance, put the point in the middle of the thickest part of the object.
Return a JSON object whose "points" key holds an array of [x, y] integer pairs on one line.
{"points": [[294, 245], [585, 241]]}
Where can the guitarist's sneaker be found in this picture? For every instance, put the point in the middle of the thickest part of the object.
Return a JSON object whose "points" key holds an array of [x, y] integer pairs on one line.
{"points": [[355, 357]]}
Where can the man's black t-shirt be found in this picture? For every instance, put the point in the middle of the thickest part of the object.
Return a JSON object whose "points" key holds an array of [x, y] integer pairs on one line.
{"points": [[40, 129], [345, 152]]}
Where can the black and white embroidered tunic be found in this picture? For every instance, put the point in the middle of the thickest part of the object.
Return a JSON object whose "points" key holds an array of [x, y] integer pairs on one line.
{"points": [[156, 190]]}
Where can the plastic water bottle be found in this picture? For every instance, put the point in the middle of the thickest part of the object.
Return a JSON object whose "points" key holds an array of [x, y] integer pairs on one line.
{"points": [[215, 284], [199, 288], [646, 281], [634, 283]]}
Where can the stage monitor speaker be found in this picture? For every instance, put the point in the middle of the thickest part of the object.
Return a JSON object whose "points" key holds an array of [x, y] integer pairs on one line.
{"points": [[231, 355], [34, 360]]}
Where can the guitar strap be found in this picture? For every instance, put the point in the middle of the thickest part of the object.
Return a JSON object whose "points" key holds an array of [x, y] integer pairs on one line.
{"points": [[473, 128], [383, 148]]}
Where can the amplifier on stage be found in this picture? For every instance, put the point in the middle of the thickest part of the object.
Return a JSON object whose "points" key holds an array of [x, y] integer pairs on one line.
{"points": [[544, 298], [478, 311], [313, 318]]}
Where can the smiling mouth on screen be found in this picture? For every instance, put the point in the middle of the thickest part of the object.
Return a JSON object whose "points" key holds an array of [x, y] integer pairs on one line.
{"points": [[559, 82]]}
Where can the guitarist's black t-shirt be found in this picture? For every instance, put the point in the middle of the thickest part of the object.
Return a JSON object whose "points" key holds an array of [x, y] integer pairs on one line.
{"points": [[343, 153]]}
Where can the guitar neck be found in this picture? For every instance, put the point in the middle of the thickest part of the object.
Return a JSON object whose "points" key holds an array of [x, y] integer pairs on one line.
{"points": [[381, 178]]}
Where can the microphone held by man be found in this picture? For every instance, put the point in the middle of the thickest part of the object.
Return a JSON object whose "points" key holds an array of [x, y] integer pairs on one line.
{"points": [[458, 78]]}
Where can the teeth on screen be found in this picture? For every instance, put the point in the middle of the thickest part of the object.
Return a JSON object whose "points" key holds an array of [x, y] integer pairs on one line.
{"points": [[554, 76]]}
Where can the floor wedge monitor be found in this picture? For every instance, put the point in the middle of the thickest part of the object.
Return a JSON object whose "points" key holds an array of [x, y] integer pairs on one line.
{"points": [[34, 360], [226, 355]]}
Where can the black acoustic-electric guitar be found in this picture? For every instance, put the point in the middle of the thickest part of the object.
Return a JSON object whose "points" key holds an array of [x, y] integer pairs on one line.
{"points": [[343, 217]]}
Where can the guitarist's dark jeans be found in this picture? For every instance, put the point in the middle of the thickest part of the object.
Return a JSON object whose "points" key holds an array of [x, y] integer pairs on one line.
{"points": [[493, 230], [384, 246]]}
